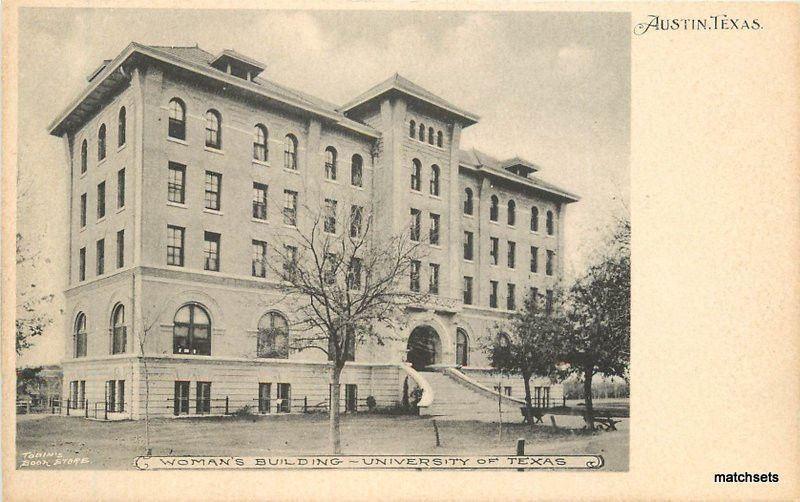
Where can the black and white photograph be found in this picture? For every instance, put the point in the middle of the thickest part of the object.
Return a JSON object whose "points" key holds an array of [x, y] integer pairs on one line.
{"points": [[351, 233]]}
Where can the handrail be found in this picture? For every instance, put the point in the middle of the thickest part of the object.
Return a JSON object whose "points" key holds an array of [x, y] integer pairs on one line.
{"points": [[427, 390], [458, 375]]}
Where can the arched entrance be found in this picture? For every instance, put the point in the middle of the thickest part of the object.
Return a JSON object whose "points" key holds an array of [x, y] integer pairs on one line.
{"points": [[424, 348]]}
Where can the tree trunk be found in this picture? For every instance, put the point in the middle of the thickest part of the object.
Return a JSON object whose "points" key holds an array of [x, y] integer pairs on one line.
{"points": [[527, 380], [333, 411], [587, 398]]}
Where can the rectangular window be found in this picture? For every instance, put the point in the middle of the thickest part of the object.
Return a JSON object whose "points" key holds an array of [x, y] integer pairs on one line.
{"points": [[176, 184], [467, 290], [534, 259], [101, 200], [468, 246], [101, 257], [329, 225], [512, 254], [83, 210], [548, 302], [259, 268], [330, 264], [259, 201], [433, 283], [551, 255], [354, 274], [284, 398], [290, 262], [356, 217], [416, 216], [290, 208], [494, 250], [415, 266], [493, 294], [181, 399], [264, 394], [120, 188], [82, 392], [211, 251], [111, 395], [82, 264], [213, 188], [80, 344], [203, 398], [350, 397], [434, 232], [507, 391], [120, 248], [73, 394], [534, 298], [511, 300], [175, 245]]}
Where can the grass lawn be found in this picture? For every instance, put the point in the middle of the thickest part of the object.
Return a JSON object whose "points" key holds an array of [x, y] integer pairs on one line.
{"points": [[114, 445]]}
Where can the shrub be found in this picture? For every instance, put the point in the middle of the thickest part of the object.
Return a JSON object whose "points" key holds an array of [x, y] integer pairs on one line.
{"points": [[244, 411], [371, 403]]}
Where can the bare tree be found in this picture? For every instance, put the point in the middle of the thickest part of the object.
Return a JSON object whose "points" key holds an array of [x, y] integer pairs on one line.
{"points": [[345, 283], [31, 319]]}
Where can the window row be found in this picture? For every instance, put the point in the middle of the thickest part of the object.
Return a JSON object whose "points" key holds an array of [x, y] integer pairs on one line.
{"points": [[419, 132], [511, 254], [101, 140], [100, 256], [117, 329], [356, 167], [434, 228], [100, 209], [511, 212], [416, 178], [511, 295], [415, 277]]}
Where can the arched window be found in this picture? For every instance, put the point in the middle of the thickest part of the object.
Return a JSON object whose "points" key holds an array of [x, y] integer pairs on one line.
{"points": [[534, 219], [357, 171], [84, 155], [412, 129], [434, 180], [213, 129], [177, 119], [467, 201], [421, 136], [191, 331], [119, 339], [512, 213], [101, 142], [462, 348], [416, 175], [273, 336], [439, 139], [121, 126], [503, 340], [290, 152], [494, 209], [430, 135], [550, 223], [330, 163], [79, 336], [260, 146]]}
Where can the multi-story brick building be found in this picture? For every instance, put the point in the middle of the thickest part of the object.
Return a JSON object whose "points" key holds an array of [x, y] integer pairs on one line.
{"points": [[184, 166]]}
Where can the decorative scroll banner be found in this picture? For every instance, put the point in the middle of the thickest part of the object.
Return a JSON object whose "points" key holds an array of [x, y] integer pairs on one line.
{"points": [[546, 462]]}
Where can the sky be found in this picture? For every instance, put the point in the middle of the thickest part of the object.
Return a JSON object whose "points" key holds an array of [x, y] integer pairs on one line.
{"points": [[553, 88]]}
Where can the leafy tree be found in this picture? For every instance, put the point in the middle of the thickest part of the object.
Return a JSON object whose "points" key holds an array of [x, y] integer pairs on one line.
{"points": [[343, 284], [597, 335], [531, 348], [29, 380], [31, 320]]}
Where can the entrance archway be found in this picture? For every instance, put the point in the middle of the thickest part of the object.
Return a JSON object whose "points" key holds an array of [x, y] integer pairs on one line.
{"points": [[424, 348]]}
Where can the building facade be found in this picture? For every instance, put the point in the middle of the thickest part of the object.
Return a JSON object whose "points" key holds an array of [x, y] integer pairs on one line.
{"points": [[185, 167]]}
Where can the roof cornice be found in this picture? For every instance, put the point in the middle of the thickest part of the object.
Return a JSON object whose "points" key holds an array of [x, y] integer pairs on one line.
{"points": [[56, 127], [553, 192]]}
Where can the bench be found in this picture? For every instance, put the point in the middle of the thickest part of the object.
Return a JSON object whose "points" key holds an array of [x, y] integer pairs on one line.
{"points": [[534, 417], [606, 422]]}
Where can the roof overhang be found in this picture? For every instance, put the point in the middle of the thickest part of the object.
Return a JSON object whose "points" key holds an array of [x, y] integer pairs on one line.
{"points": [[519, 166], [391, 89], [87, 103], [530, 184]]}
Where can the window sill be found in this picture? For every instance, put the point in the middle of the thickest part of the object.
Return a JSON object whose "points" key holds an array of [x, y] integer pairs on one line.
{"points": [[120, 209], [415, 192], [331, 181], [177, 204], [259, 220], [357, 187], [177, 140], [262, 163], [83, 174], [465, 215], [468, 260], [101, 162], [494, 222], [534, 232], [214, 150], [435, 197], [82, 229], [121, 147], [213, 211], [292, 227], [296, 172], [436, 246], [100, 220]]}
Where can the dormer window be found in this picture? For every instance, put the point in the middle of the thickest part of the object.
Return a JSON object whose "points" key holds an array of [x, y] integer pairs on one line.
{"points": [[233, 63]]}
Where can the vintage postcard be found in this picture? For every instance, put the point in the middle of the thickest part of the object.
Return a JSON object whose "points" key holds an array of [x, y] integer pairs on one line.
{"points": [[400, 251]]}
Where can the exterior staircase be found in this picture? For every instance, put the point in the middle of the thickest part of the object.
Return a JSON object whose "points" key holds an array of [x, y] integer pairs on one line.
{"points": [[453, 400]]}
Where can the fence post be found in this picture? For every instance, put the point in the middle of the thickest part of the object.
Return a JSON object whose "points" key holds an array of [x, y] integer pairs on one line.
{"points": [[67, 407], [436, 431], [226, 405], [86, 408], [564, 400], [521, 449], [105, 407], [305, 404]]}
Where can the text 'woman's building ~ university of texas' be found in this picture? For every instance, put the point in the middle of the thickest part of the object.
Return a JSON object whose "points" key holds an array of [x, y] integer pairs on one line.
{"points": [[184, 166]]}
